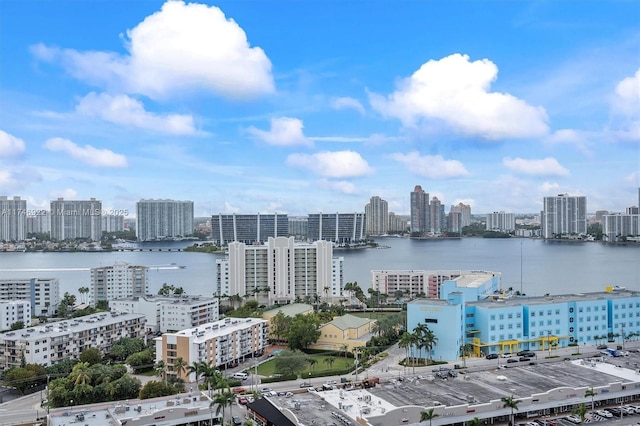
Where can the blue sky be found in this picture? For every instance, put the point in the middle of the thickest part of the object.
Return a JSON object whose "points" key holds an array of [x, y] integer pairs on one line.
{"points": [[307, 106]]}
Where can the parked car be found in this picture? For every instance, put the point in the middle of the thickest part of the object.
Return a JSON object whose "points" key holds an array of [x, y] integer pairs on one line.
{"points": [[524, 358], [492, 356], [266, 390], [601, 347], [510, 360], [236, 420], [243, 401], [604, 413], [305, 385], [506, 355], [526, 353], [574, 419]]}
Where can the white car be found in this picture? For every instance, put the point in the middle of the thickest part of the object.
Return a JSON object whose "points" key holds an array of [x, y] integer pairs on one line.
{"points": [[604, 413], [574, 419]]}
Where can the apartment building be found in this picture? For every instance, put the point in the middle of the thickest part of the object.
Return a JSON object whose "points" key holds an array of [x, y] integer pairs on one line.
{"points": [[163, 219], [43, 294], [280, 271], [170, 313], [521, 323], [118, 281], [420, 211], [248, 228], [15, 311], [13, 219], [501, 221], [620, 227], [218, 343], [112, 223], [564, 215], [76, 219], [51, 343], [340, 228], [377, 216]]}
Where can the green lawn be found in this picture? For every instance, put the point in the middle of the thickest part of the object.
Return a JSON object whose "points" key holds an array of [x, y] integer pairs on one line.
{"points": [[268, 368], [373, 315]]}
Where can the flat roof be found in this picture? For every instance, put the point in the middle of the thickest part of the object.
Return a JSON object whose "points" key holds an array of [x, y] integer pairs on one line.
{"points": [[210, 330], [182, 299], [473, 279], [290, 310], [562, 298], [63, 328]]}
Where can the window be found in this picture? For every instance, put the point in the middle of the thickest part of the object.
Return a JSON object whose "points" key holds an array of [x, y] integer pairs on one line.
{"points": [[431, 320]]}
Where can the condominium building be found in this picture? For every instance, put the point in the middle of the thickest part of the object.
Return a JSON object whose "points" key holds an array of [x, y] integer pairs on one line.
{"points": [[76, 219], [43, 294], [340, 228], [248, 228], [219, 343], [280, 271], [465, 211], [118, 281], [13, 219], [501, 221], [377, 215], [437, 217], [298, 227], [454, 222], [170, 313], [14, 311], [564, 215], [163, 219], [39, 222], [51, 343], [521, 323], [620, 227], [397, 224], [474, 285], [112, 223], [420, 211]]}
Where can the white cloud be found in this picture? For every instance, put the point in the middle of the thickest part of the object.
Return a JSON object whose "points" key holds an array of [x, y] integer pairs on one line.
{"points": [[229, 209], [67, 193], [182, 47], [341, 186], [13, 180], [626, 109], [332, 164], [10, 146], [431, 166], [633, 179], [580, 139], [455, 91], [124, 110], [87, 154], [545, 167], [285, 131], [348, 103]]}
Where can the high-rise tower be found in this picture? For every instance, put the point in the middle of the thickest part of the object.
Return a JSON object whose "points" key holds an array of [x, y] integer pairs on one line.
{"points": [[420, 222], [377, 216]]}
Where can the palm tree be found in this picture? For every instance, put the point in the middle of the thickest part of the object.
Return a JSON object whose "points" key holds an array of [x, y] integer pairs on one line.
{"points": [[510, 402], [161, 370], [329, 361], [590, 393], [474, 422], [222, 400], [80, 373], [581, 411], [312, 362], [345, 350], [83, 292], [179, 366], [210, 375], [405, 343], [427, 415], [195, 367]]}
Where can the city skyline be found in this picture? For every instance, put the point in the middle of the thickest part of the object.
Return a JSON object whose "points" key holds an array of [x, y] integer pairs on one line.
{"points": [[318, 106]]}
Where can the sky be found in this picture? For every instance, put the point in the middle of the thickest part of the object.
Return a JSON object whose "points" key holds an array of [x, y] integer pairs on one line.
{"points": [[303, 107]]}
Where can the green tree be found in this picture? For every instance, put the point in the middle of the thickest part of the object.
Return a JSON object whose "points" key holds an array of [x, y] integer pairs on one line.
{"points": [[581, 411], [91, 356], [161, 370], [221, 401], [428, 415], [312, 362], [590, 393], [125, 347], [474, 422], [289, 362], [20, 378], [155, 389], [180, 367], [126, 387], [141, 361], [197, 368], [329, 361], [303, 331], [279, 325], [512, 403], [83, 294], [18, 325], [80, 374]]}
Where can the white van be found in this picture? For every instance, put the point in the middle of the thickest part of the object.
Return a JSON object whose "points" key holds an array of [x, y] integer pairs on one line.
{"points": [[240, 376]]}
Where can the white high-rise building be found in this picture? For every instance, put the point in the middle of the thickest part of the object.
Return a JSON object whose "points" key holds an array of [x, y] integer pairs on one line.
{"points": [[420, 211], [564, 215], [164, 219], [118, 281], [465, 211], [43, 294], [13, 219], [280, 271], [501, 221], [76, 219], [112, 223], [619, 227], [39, 222], [15, 311], [377, 216]]}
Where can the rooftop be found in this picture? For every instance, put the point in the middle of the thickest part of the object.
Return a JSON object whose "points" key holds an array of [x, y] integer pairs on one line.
{"points": [[205, 332], [562, 298], [473, 279], [66, 327], [182, 299], [348, 321], [289, 310]]}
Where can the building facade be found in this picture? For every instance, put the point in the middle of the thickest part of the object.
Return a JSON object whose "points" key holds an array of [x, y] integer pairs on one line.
{"points": [[51, 343], [280, 271], [39, 223], [564, 215], [298, 227], [377, 215], [118, 281], [465, 212], [619, 227], [340, 228], [14, 311], [112, 223], [420, 211], [437, 218], [76, 219], [529, 323], [43, 294], [163, 219], [248, 228], [170, 313], [397, 224], [219, 343], [501, 221], [13, 219]]}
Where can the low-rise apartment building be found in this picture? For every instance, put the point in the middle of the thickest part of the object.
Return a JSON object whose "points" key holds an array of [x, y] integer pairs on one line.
{"points": [[42, 293], [170, 313], [51, 343], [15, 311], [346, 332], [218, 343]]}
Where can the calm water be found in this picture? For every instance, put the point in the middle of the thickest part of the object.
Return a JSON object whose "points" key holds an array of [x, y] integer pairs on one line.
{"points": [[539, 267]]}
